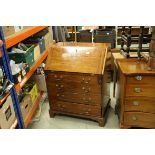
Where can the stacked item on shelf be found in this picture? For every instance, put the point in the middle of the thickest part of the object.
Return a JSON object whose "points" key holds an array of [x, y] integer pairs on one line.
{"points": [[39, 77], [10, 30], [42, 40], [105, 36], [5, 84], [128, 39], [19, 71], [7, 114], [5, 87], [22, 53], [27, 97]]}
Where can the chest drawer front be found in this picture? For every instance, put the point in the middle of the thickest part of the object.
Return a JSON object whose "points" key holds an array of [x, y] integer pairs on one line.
{"points": [[78, 78], [75, 108], [73, 87], [94, 99], [140, 105], [139, 119], [141, 79], [140, 90]]}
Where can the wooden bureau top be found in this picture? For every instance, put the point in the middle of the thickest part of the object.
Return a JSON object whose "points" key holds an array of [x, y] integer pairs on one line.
{"points": [[133, 66], [88, 58], [85, 44]]}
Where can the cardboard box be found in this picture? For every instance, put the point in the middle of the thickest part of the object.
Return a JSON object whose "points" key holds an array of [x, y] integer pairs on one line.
{"points": [[8, 30], [40, 79], [48, 40], [26, 106], [27, 27], [36, 52], [7, 114]]}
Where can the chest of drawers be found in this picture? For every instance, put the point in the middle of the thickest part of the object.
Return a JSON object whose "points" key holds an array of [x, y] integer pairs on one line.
{"points": [[135, 94], [77, 81]]}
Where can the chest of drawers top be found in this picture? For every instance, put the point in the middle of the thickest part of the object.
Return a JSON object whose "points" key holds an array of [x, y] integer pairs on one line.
{"points": [[80, 59], [134, 67]]}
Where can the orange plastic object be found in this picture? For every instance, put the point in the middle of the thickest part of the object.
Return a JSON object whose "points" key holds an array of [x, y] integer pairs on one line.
{"points": [[31, 71], [27, 121], [16, 38]]}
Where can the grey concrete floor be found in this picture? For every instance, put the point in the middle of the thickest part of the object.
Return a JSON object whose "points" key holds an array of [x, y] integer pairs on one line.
{"points": [[68, 122]]}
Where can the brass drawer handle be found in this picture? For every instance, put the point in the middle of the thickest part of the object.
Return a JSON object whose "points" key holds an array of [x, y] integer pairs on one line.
{"points": [[137, 90], [62, 86], [83, 88], [57, 85], [55, 76], [62, 95], [138, 77], [86, 112], [136, 103], [86, 82], [58, 95], [58, 79], [134, 118]]}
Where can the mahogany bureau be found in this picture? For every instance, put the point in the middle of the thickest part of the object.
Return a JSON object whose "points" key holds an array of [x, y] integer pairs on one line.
{"points": [[77, 81], [135, 95]]}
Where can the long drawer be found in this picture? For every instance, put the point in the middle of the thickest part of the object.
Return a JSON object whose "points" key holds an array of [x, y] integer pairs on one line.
{"points": [[75, 108], [141, 79], [73, 87], [139, 119], [140, 104], [140, 90], [76, 77], [94, 99]]}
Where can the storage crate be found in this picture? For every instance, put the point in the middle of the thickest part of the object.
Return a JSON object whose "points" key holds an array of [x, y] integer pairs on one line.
{"points": [[7, 114], [26, 105], [36, 52], [33, 92], [35, 40], [27, 57]]}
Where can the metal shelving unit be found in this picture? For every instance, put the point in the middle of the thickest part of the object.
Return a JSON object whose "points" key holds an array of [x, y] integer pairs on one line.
{"points": [[7, 43]]}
